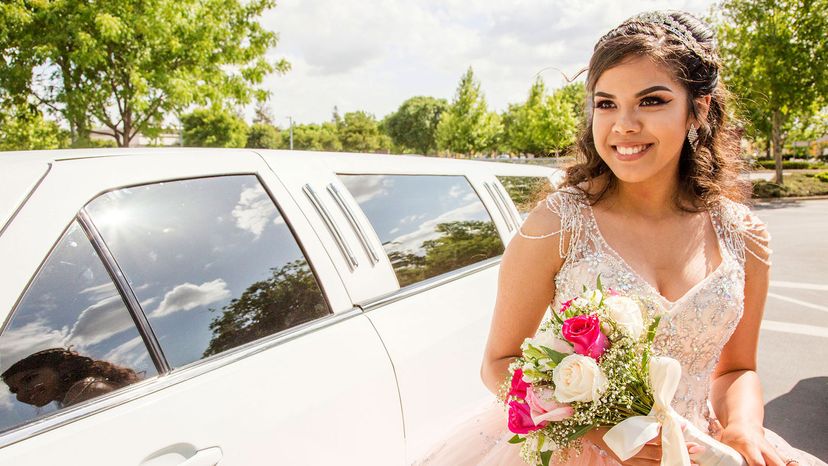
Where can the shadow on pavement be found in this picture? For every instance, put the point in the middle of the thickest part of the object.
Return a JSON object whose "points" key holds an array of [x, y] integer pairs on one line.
{"points": [[801, 416], [770, 204]]}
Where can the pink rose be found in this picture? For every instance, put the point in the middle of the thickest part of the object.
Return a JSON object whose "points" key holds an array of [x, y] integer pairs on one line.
{"points": [[612, 292], [520, 418], [566, 305], [584, 332], [544, 408], [519, 387]]}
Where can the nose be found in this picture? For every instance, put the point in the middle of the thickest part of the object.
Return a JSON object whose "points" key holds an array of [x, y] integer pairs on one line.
{"points": [[626, 122]]}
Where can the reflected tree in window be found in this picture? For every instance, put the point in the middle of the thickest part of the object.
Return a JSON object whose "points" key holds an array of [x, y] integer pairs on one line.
{"points": [[526, 191], [460, 244], [289, 297]]}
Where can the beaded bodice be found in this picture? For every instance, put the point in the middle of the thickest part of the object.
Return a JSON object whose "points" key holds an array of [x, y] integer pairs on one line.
{"points": [[693, 329]]}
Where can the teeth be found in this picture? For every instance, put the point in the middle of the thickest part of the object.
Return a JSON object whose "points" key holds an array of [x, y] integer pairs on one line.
{"points": [[630, 150]]}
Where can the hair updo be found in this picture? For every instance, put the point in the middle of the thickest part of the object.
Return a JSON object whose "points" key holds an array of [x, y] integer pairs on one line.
{"points": [[686, 46]]}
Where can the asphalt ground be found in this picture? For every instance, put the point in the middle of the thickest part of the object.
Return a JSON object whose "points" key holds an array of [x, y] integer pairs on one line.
{"points": [[793, 346]]}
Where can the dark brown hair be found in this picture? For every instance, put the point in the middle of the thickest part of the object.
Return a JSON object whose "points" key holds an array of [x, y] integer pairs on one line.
{"points": [[72, 367], [685, 46]]}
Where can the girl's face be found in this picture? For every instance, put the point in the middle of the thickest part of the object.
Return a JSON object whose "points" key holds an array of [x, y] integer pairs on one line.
{"points": [[37, 387], [640, 120]]}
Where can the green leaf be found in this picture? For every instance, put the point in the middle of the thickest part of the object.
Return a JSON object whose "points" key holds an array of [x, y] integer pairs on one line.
{"points": [[545, 457], [651, 330], [553, 355], [517, 439], [580, 431], [598, 283]]}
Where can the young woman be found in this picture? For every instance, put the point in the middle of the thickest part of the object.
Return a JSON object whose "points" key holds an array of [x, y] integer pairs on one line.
{"points": [[655, 206], [63, 376]]}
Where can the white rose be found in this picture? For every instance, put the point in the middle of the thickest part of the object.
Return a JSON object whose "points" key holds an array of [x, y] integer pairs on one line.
{"points": [[626, 313], [549, 340], [578, 378]]}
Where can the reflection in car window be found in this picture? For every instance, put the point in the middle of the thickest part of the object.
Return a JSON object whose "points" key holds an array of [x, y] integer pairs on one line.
{"points": [[211, 261], [70, 339], [526, 191], [428, 225]]}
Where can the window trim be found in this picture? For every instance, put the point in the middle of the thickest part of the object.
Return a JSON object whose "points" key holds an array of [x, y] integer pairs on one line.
{"points": [[127, 293]]}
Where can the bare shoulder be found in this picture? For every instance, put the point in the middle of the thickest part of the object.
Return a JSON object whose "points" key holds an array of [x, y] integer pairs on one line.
{"points": [[757, 241], [86, 389]]}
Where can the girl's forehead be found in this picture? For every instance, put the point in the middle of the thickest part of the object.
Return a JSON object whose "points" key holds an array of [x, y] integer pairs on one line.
{"points": [[634, 74]]}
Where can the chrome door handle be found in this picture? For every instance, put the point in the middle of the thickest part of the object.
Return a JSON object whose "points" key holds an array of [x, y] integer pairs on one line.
{"points": [[206, 457]]}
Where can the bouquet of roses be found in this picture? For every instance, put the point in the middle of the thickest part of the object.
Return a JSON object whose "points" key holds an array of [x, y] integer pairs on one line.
{"points": [[591, 366]]}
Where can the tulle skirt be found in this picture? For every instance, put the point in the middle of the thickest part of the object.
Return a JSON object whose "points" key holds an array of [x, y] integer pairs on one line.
{"points": [[483, 441]]}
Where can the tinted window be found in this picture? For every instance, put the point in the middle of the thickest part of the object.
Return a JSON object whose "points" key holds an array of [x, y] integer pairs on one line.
{"points": [[428, 225], [211, 261], [526, 191], [70, 339]]}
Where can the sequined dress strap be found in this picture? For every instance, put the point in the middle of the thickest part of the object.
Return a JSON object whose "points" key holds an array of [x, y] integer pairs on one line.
{"points": [[736, 225], [566, 204]]}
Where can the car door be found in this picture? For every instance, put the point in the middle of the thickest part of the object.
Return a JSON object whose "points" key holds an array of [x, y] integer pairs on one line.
{"points": [[441, 241], [195, 277]]}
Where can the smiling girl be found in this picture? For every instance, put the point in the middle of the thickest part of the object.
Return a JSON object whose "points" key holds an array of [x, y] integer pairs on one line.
{"points": [[655, 206]]}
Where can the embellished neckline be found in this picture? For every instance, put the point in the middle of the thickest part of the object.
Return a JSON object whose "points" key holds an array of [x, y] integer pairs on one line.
{"points": [[646, 284]]}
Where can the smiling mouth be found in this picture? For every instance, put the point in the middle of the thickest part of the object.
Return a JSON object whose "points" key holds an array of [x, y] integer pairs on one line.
{"points": [[631, 150]]}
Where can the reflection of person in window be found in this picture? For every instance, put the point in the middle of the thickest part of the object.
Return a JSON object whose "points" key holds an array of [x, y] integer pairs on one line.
{"points": [[64, 376]]}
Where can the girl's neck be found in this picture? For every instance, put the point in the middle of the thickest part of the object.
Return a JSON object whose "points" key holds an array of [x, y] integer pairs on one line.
{"points": [[652, 199]]}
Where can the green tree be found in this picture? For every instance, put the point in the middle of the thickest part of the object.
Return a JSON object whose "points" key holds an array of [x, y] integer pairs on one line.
{"points": [[574, 94], [23, 127], [467, 126], [413, 127], [290, 296], [126, 63], [776, 60], [543, 125], [214, 127], [359, 132], [313, 136], [263, 136]]}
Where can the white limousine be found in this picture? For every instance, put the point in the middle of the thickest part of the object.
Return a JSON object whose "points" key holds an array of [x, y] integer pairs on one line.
{"points": [[241, 307]]}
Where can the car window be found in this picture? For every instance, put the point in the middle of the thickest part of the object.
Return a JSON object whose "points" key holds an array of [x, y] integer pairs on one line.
{"points": [[525, 191], [211, 260], [70, 339], [428, 224]]}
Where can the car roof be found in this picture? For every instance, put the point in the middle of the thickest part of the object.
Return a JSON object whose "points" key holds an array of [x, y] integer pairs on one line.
{"points": [[23, 170]]}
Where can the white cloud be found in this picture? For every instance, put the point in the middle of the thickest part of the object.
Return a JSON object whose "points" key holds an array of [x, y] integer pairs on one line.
{"points": [[373, 54], [189, 296], [369, 187], [100, 321], [132, 354], [414, 240], [254, 210], [17, 343]]}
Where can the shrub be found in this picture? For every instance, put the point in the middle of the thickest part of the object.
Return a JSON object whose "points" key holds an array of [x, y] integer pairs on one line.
{"points": [[762, 188], [786, 164], [822, 176]]}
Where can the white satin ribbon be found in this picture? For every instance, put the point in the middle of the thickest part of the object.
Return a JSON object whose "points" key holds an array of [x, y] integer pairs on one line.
{"points": [[628, 437]]}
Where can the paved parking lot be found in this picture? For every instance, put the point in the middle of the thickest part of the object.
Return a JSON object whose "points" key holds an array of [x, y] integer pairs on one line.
{"points": [[793, 352]]}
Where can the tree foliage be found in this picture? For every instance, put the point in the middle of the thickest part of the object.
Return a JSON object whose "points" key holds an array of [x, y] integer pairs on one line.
{"points": [[776, 61], [290, 296], [413, 127], [359, 132], [126, 63], [543, 125], [322, 137], [22, 127], [214, 127], [263, 136], [467, 126]]}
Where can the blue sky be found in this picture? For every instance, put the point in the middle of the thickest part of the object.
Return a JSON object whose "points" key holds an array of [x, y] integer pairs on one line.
{"points": [[373, 54]]}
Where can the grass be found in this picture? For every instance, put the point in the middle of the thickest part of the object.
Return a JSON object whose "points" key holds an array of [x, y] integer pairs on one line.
{"points": [[796, 185]]}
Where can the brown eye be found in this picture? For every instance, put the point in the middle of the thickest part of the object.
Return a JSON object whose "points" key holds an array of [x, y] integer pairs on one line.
{"points": [[652, 100], [603, 104]]}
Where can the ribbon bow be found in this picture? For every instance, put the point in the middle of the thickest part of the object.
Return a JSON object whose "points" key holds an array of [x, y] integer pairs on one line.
{"points": [[628, 437]]}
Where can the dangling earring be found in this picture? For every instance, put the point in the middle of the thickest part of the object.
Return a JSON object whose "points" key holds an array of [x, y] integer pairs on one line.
{"points": [[693, 137]]}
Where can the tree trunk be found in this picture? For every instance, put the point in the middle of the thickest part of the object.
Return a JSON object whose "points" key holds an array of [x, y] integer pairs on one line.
{"points": [[776, 137]]}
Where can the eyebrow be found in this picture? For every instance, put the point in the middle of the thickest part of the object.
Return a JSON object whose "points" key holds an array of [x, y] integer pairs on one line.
{"points": [[639, 94]]}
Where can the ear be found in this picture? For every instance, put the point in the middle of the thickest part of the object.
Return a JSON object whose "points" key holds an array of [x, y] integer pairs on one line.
{"points": [[702, 108]]}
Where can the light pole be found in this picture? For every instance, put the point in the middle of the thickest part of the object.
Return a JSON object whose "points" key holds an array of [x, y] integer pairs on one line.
{"points": [[290, 119]]}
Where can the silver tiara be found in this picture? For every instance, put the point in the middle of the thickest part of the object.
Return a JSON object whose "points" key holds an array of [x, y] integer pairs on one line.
{"points": [[666, 22]]}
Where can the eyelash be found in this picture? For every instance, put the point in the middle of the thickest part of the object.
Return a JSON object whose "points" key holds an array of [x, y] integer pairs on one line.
{"points": [[653, 101]]}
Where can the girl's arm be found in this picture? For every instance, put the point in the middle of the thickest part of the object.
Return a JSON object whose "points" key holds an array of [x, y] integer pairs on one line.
{"points": [[736, 394]]}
